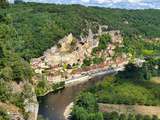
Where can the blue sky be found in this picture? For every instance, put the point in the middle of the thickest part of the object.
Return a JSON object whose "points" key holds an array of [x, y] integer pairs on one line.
{"points": [[128, 4]]}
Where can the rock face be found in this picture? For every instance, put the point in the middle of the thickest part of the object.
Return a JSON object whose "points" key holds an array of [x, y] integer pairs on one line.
{"points": [[69, 50], [65, 43], [32, 106], [32, 109]]}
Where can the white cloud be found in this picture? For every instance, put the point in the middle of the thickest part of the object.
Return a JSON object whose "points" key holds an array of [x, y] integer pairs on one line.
{"points": [[135, 1], [85, 1], [11, 1], [129, 4], [116, 1]]}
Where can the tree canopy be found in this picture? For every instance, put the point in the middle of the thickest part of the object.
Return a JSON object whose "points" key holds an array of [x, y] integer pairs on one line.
{"points": [[36, 27]]}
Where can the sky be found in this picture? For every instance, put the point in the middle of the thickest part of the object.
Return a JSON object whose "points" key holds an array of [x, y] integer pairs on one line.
{"points": [[127, 4]]}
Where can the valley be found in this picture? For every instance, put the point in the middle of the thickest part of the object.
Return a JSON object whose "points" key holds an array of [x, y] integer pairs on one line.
{"points": [[52, 55]]}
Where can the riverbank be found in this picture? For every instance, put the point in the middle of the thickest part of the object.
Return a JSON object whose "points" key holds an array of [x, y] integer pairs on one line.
{"points": [[85, 78], [53, 88], [65, 97], [52, 106], [68, 111]]}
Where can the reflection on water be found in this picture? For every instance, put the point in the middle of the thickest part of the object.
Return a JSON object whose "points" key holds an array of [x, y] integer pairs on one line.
{"points": [[52, 106]]}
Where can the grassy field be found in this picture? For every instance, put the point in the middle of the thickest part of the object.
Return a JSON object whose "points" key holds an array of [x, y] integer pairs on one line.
{"points": [[130, 109], [156, 80]]}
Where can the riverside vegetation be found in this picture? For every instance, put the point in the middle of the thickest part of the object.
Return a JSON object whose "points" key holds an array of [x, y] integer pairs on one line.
{"points": [[130, 87], [28, 29]]}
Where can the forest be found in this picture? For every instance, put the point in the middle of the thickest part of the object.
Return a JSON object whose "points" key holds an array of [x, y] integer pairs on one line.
{"points": [[32, 28]]}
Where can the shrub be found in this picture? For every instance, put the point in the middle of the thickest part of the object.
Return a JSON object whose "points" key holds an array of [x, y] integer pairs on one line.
{"points": [[4, 115], [87, 101], [103, 41], [87, 62], [41, 87], [5, 91], [97, 60]]}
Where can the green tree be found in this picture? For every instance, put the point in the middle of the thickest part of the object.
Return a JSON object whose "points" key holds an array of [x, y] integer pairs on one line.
{"points": [[5, 92], [87, 62], [155, 117], [131, 117], [1, 52], [103, 41], [79, 113], [87, 101], [97, 60], [21, 71], [3, 3], [135, 73], [139, 117], [7, 73], [146, 72], [4, 115], [95, 116], [113, 116], [122, 117], [147, 117]]}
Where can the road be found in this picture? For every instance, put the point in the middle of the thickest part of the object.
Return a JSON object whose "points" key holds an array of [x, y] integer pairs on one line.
{"points": [[92, 74]]}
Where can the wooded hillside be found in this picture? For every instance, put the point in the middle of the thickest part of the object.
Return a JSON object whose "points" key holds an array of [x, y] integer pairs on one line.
{"points": [[32, 28]]}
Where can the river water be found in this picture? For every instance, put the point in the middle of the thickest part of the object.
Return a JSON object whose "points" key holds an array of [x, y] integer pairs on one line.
{"points": [[52, 106]]}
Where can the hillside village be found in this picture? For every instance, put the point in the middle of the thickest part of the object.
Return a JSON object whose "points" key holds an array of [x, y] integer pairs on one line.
{"points": [[67, 59]]}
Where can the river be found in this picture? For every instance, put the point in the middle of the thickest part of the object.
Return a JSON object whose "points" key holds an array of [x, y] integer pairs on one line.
{"points": [[52, 106]]}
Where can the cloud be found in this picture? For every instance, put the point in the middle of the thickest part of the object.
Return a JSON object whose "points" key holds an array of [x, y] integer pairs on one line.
{"points": [[118, 1], [86, 1], [128, 4], [11, 1]]}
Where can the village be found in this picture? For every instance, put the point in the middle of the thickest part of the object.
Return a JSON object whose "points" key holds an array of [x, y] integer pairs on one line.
{"points": [[65, 60]]}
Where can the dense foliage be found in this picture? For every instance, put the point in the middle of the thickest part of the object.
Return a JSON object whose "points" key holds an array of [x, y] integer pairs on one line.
{"points": [[34, 27], [87, 62], [154, 66], [132, 72], [138, 47], [132, 86], [104, 40], [86, 108], [12, 67], [4, 3], [4, 115], [44, 87], [6, 95]]}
